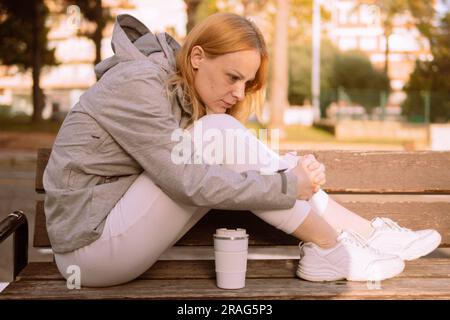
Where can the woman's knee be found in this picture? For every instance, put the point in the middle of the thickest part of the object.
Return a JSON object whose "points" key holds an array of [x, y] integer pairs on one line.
{"points": [[218, 128], [220, 121]]}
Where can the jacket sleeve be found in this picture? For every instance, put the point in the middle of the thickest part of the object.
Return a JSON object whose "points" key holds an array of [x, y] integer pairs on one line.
{"points": [[137, 114]]}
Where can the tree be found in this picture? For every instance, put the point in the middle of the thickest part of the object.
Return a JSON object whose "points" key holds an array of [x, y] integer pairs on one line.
{"points": [[300, 68], [354, 73], [205, 9], [430, 79], [300, 30], [420, 13], [351, 72], [280, 77], [389, 9], [98, 16], [24, 43], [192, 7]]}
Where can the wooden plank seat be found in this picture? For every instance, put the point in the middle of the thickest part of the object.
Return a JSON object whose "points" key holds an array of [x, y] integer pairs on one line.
{"points": [[422, 176], [266, 279]]}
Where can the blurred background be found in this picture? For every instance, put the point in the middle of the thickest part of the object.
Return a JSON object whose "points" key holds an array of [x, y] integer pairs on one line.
{"points": [[345, 74]]}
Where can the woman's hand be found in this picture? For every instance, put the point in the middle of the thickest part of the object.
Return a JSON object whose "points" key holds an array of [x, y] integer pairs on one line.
{"points": [[310, 176], [305, 186], [316, 171]]}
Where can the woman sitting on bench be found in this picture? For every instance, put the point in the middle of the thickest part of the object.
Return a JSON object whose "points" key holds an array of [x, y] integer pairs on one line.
{"points": [[125, 179]]}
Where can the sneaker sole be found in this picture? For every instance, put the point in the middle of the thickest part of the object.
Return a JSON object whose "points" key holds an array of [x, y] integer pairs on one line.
{"points": [[319, 276], [393, 272], [422, 246], [323, 274]]}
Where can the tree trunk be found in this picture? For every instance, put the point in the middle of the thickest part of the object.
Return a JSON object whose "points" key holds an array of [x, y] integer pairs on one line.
{"points": [[384, 95], [280, 77], [37, 29], [98, 33], [387, 34], [245, 5], [191, 10]]}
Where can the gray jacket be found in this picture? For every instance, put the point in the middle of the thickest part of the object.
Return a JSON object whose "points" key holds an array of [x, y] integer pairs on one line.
{"points": [[122, 126]]}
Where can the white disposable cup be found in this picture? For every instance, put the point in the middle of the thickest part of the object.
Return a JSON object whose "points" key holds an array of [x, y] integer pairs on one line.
{"points": [[230, 253]]}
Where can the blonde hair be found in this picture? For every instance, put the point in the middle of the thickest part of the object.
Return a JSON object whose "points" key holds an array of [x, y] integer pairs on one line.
{"points": [[219, 34]]}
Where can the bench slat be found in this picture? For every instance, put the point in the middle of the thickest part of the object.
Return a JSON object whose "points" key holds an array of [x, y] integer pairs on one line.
{"points": [[40, 237], [414, 215], [41, 162], [280, 288], [204, 269], [384, 172], [387, 171]]}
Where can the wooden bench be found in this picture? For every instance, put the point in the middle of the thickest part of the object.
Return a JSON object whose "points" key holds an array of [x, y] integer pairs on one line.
{"points": [[415, 188]]}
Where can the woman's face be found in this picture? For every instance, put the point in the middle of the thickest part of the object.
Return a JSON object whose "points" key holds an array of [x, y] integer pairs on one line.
{"points": [[220, 82]]}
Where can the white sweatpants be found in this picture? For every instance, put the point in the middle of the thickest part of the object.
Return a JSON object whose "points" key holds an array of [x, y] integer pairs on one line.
{"points": [[146, 222]]}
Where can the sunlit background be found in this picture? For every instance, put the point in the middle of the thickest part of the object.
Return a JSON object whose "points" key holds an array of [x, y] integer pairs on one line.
{"points": [[342, 70]]}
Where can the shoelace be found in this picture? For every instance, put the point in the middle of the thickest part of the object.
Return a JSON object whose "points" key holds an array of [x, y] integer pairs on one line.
{"points": [[394, 225], [358, 240]]}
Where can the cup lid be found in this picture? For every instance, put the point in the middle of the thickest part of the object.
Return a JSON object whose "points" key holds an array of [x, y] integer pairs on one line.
{"points": [[231, 234]]}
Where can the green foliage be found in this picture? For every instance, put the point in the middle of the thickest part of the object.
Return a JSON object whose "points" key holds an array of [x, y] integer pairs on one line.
{"points": [[16, 32], [421, 12], [23, 32], [363, 83], [300, 64], [350, 72], [432, 77], [5, 110], [205, 9], [100, 16]]}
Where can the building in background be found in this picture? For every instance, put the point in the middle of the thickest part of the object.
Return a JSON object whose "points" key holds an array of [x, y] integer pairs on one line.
{"points": [[63, 84]]}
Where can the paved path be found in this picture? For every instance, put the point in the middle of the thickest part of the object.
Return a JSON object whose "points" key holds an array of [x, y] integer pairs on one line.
{"points": [[17, 174]]}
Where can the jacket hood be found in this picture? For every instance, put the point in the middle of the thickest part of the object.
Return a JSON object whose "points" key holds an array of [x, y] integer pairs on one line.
{"points": [[132, 40]]}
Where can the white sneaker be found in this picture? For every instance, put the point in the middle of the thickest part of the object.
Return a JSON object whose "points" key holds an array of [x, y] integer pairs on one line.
{"points": [[390, 238], [350, 259]]}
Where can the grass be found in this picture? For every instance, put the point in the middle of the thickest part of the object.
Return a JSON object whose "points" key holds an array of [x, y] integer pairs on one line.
{"points": [[298, 133], [304, 133], [312, 134]]}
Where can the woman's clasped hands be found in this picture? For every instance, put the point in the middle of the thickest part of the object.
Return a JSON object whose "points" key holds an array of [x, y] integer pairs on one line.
{"points": [[310, 176]]}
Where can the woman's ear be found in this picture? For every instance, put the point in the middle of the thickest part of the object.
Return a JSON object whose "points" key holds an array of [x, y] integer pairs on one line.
{"points": [[197, 56]]}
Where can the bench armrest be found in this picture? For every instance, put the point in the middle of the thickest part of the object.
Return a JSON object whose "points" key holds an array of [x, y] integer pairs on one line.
{"points": [[13, 241]]}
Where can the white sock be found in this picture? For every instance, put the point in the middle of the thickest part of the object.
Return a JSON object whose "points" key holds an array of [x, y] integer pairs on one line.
{"points": [[319, 202]]}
